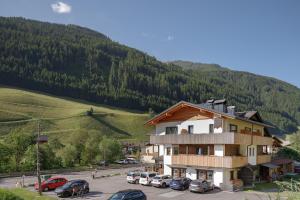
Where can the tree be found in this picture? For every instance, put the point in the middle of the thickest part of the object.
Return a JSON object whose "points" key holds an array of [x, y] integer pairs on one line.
{"points": [[18, 142], [5, 154], [68, 155], [288, 152], [110, 149], [91, 151], [295, 140]]}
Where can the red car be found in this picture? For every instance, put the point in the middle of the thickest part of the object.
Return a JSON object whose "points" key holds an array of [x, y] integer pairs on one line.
{"points": [[51, 183]]}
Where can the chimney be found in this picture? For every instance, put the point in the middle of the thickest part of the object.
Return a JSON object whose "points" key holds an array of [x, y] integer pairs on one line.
{"points": [[231, 110]]}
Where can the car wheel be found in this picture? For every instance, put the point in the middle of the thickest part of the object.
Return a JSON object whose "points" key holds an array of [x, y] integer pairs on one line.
{"points": [[164, 185], [46, 189], [136, 181]]}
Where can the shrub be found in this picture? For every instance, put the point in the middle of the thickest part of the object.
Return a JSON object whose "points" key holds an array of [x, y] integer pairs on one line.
{"points": [[7, 195]]}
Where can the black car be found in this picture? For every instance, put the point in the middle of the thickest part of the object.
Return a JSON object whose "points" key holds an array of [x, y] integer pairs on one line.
{"points": [[128, 195], [73, 187], [180, 183]]}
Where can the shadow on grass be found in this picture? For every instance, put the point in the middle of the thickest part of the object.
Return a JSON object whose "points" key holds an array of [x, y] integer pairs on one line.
{"points": [[98, 117]]}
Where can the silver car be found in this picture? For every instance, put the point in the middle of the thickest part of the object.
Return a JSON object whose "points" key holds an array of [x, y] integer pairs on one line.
{"points": [[200, 185], [161, 181]]}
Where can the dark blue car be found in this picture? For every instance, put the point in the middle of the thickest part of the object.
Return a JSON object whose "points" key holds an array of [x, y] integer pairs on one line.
{"points": [[129, 194], [74, 187], [180, 183]]}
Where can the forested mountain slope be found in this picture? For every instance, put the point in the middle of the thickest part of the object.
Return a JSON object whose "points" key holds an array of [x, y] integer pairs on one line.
{"points": [[77, 62]]}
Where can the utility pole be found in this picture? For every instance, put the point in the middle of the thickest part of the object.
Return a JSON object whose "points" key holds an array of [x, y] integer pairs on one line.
{"points": [[38, 158]]}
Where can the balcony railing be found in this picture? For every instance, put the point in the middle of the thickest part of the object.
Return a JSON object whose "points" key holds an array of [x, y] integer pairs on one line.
{"points": [[260, 159], [209, 161], [216, 138]]}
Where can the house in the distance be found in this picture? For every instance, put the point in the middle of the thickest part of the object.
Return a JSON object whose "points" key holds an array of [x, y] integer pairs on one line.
{"points": [[214, 142]]}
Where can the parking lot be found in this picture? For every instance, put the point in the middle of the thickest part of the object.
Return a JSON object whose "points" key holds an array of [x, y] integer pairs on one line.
{"points": [[102, 188]]}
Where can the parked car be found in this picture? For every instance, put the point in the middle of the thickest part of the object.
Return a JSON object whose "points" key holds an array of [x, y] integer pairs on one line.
{"points": [[128, 195], [180, 183], [200, 185], [104, 163], [161, 181], [146, 178], [122, 162], [133, 176], [132, 161], [68, 188], [51, 183]]}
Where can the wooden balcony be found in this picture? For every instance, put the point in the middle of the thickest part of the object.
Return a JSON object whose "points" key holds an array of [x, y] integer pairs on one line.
{"points": [[209, 161], [260, 159], [216, 138]]}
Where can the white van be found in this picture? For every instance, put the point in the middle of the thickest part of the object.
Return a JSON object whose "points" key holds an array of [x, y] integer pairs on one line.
{"points": [[147, 177], [133, 176]]}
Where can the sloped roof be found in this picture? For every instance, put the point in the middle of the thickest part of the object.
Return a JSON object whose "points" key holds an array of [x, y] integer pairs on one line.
{"points": [[205, 108]]}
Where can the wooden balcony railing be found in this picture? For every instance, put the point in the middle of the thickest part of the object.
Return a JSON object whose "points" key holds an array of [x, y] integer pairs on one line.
{"points": [[260, 159], [216, 138], [209, 161]]}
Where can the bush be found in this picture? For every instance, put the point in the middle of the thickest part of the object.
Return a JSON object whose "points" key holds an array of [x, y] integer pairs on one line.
{"points": [[7, 195]]}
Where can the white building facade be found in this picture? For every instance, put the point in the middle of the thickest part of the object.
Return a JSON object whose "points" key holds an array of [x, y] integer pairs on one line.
{"points": [[199, 142]]}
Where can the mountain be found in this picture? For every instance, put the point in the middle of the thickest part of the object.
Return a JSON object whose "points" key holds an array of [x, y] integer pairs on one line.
{"points": [[73, 61], [66, 118]]}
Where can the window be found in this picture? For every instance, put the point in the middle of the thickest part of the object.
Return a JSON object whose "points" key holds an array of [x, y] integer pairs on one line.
{"points": [[210, 175], [233, 128], [171, 130], [190, 129], [199, 151], [178, 172], [231, 175], [253, 151], [211, 128], [168, 151], [249, 151], [205, 174], [175, 150], [203, 150], [265, 150]]}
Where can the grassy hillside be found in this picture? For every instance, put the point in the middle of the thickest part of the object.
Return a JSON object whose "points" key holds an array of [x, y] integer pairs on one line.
{"points": [[66, 118]]}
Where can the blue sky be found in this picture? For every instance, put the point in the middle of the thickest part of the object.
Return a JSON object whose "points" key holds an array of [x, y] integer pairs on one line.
{"points": [[258, 36]]}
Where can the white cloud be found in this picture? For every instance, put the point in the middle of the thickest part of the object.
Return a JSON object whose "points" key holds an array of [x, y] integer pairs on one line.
{"points": [[61, 7], [170, 38]]}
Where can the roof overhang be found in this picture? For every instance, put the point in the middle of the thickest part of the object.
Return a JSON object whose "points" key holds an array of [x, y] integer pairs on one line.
{"points": [[270, 165], [182, 104]]}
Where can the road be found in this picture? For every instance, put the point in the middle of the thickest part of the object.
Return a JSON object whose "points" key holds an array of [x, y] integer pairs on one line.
{"points": [[102, 188]]}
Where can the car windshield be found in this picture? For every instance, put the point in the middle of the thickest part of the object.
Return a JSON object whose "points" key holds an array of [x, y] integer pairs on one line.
{"points": [[157, 177], [130, 174], [177, 180], [196, 182], [117, 196], [143, 175]]}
